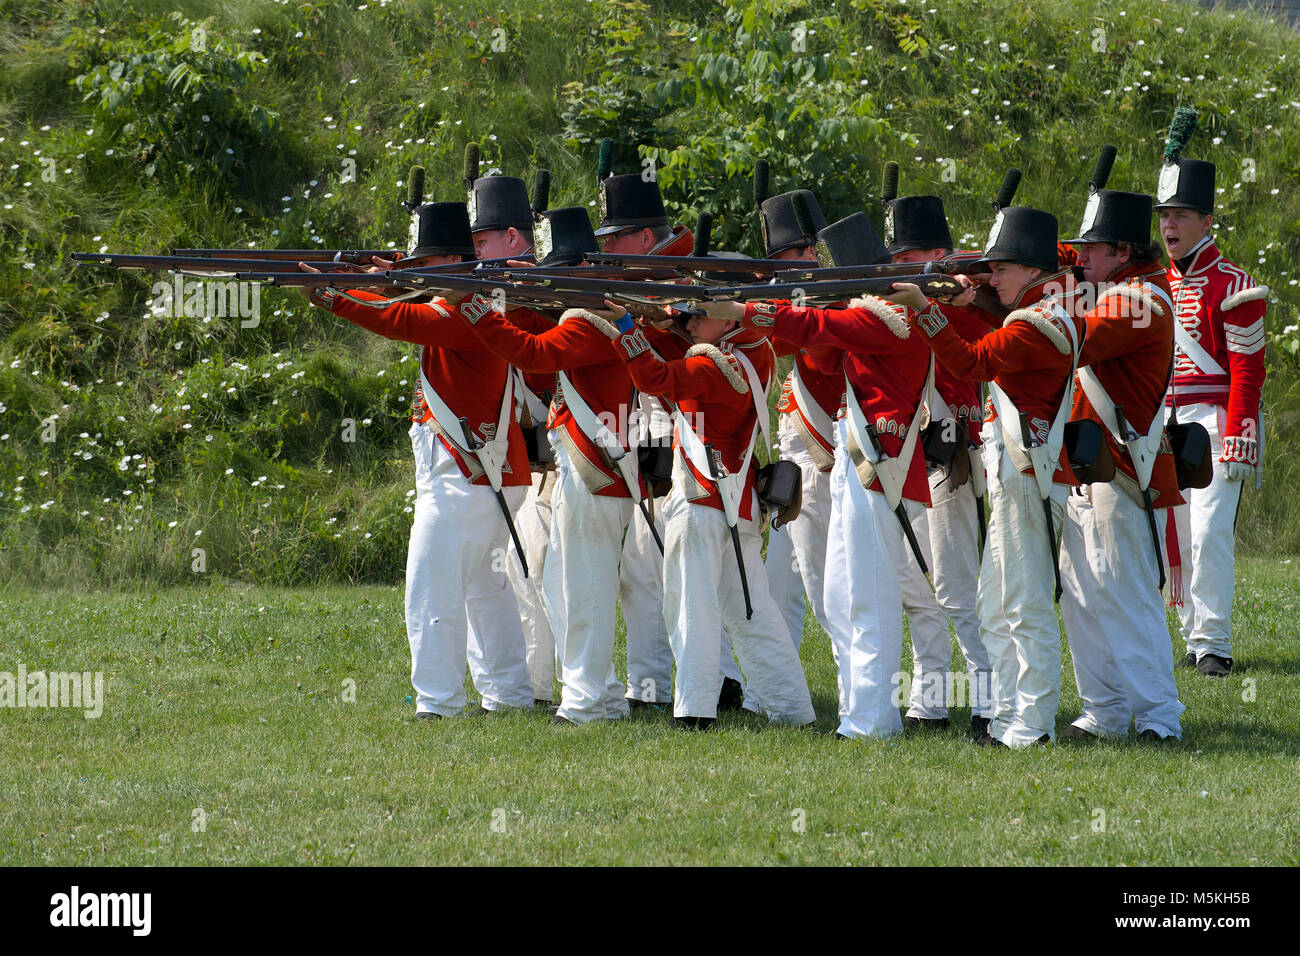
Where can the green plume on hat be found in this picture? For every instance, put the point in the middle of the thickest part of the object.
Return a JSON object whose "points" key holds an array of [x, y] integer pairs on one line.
{"points": [[605, 162], [1181, 129]]}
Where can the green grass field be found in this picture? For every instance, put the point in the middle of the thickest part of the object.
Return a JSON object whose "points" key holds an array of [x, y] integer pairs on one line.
{"points": [[226, 739]]}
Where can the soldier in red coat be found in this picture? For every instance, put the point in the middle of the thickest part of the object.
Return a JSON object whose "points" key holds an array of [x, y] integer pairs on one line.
{"points": [[916, 229], [633, 221], [877, 483], [1030, 363], [809, 401], [1218, 376], [597, 485], [1112, 542], [719, 393], [469, 455]]}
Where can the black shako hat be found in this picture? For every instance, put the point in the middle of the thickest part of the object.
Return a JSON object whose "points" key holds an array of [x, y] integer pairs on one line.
{"points": [[1186, 184], [916, 222], [850, 242], [781, 229], [440, 229], [563, 237], [1023, 235], [499, 202], [1113, 216], [627, 201]]}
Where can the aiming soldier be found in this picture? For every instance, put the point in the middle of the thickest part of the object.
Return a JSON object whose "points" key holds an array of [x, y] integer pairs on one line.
{"points": [[878, 478], [598, 483], [633, 221], [916, 230], [471, 464], [1030, 362], [809, 402], [713, 577], [1112, 543]]}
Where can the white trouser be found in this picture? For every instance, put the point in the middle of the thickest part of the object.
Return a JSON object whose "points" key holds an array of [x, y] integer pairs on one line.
{"points": [[1114, 614], [796, 552], [533, 524], [954, 543], [702, 594], [863, 598], [1016, 608], [580, 586], [1206, 525], [926, 622], [458, 603], [641, 592], [641, 585]]}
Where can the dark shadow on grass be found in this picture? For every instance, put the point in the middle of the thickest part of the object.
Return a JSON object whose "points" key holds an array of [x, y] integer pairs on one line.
{"points": [[1213, 736]]}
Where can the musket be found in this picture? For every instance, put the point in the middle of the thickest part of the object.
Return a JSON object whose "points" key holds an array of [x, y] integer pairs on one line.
{"points": [[198, 264], [933, 286], [359, 257], [949, 267], [690, 264], [564, 291], [587, 271], [421, 283], [545, 279], [351, 280]]}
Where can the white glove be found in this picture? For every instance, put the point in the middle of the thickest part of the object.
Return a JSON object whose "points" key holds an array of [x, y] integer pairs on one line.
{"points": [[1238, 470]]}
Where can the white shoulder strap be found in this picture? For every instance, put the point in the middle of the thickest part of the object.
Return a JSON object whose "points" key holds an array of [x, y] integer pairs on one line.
{"points": [[813, 413], [1142, 449], [1202, 359], [598, 434], [758, 394], [492, 454], [732, 486], [537, 410], [1046, 456], [892, 472]]}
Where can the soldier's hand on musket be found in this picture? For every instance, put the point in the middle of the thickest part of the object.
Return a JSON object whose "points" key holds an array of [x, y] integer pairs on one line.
{"points": [[657, 316], [380, 264], [306, 292], [968, 296], [910, 295]]}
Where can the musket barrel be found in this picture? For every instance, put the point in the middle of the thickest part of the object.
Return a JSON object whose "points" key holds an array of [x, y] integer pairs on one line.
{"points": [[201, 264], [357, 256]]}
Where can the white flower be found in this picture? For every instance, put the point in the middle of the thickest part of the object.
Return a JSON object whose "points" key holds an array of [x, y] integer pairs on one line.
{"points": [[124, 464]]}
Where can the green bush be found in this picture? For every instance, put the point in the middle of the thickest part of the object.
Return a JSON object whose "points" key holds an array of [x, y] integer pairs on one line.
{"points": [[171, 95]]}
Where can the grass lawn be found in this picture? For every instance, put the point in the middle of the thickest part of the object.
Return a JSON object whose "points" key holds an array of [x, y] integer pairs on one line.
{"points": [[226, 738]]}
